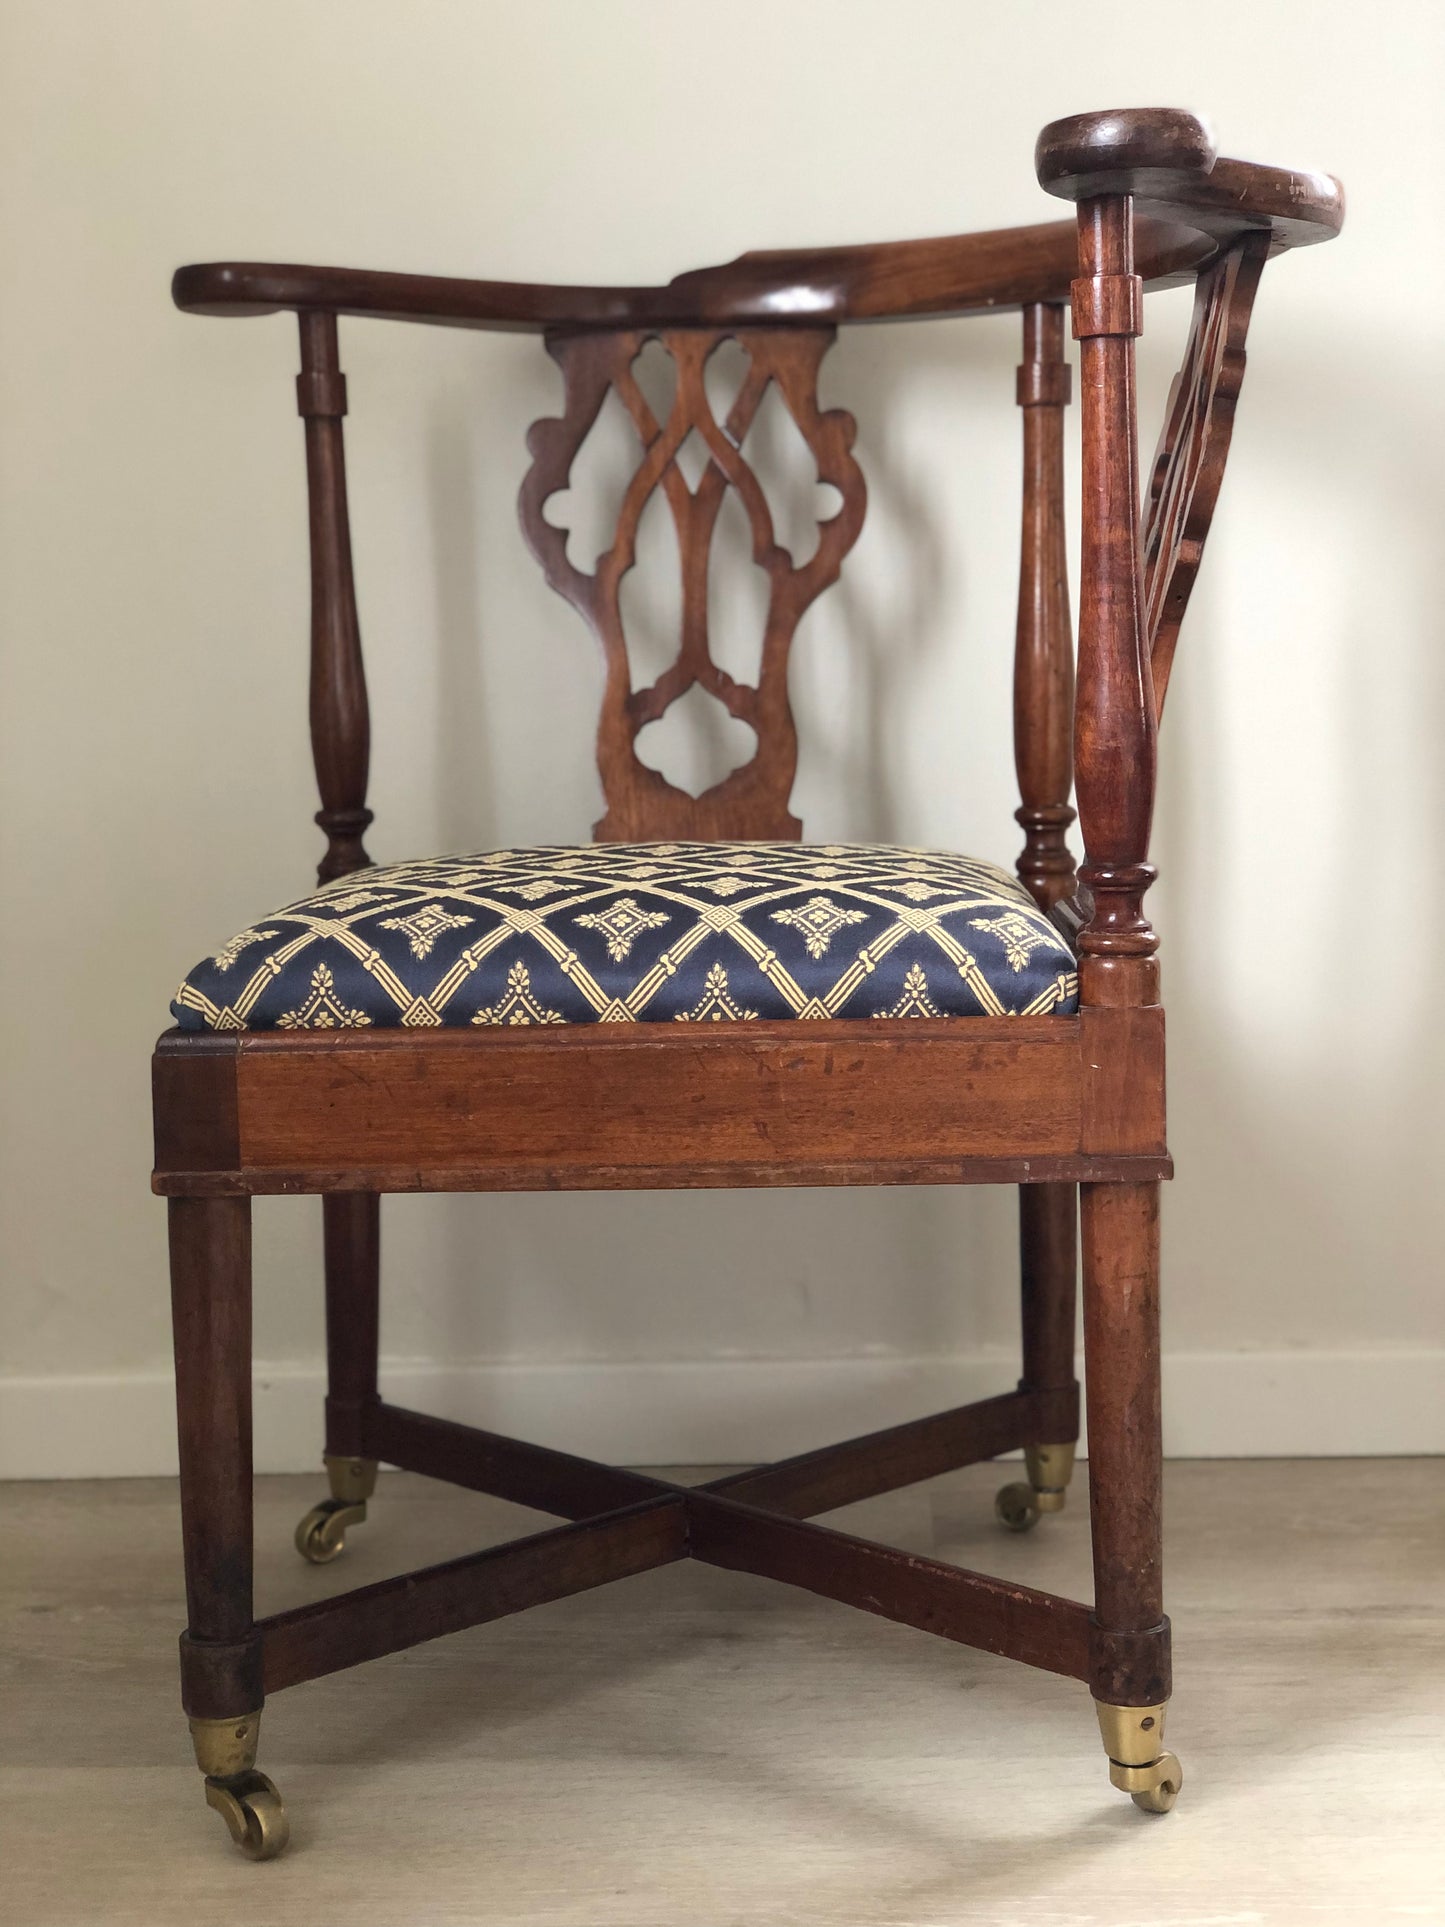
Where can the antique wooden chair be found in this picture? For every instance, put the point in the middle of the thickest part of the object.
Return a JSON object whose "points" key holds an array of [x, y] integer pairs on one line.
{"points": [[849, 1016]]}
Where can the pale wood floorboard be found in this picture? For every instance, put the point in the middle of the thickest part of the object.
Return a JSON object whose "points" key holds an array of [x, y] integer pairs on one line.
{"points": [[701, 1749]]}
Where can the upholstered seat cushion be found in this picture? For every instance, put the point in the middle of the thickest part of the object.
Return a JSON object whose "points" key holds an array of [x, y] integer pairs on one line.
{"points": [[642, 932]]}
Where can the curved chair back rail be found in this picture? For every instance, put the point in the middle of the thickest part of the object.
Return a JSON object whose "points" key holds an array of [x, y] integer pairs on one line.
{"points": [[958, 274]]}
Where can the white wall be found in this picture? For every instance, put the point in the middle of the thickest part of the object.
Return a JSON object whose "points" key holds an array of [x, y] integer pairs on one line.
{"points": [[156, 782]]}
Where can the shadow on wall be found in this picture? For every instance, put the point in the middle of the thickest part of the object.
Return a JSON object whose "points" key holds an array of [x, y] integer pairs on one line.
{"points": [[668, 1276], [1300, 926], [462, 775], [879, 645]]}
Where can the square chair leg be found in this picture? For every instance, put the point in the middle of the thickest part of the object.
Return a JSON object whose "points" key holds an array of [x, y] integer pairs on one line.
{"points": [[1130, 1650], [352, 1227], [210, 1241], [1048, 1297]]}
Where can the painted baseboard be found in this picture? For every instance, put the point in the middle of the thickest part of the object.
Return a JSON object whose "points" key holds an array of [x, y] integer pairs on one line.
{"points": [[1217, 1404]]}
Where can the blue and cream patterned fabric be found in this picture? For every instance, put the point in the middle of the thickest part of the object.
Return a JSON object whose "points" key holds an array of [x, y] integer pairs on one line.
{"points": [[642, 933]]}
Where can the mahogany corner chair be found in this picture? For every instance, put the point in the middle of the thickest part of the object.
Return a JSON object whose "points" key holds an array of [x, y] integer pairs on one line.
{"points": [[849, 1016]]}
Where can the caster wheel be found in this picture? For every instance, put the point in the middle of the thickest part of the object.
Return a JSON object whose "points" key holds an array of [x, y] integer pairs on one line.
{"points": [[252, 1810], [1017, 1508], [1161, 1797], [321, 1535]]}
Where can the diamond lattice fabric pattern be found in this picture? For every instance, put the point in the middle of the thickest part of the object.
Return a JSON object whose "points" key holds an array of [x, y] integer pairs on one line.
{"points": [[642, 933]]}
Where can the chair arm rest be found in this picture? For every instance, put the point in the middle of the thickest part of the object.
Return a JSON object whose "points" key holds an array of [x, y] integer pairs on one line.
{"points": [[271, 287], [1166, 158], [953, 274], [985, 273]]}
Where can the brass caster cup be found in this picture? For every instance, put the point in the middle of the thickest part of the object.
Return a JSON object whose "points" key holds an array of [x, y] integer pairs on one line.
{"points": [[245, 1799], [252, 1809], [1133, 1739], [321, 1535]]}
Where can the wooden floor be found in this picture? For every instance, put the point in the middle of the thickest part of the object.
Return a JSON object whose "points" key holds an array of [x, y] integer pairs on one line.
{"points": [[696, 1748]]}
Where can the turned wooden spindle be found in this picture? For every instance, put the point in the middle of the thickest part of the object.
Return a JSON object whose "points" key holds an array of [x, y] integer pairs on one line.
{"points": [[1044, 654], [1115, 732], [340, 720], [1044, 758]]}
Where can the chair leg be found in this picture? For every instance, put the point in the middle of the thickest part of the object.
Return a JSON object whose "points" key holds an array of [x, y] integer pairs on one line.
{"points": [[352, 1232], [220, 1653], [1121, 1350], [1048, 1255]]}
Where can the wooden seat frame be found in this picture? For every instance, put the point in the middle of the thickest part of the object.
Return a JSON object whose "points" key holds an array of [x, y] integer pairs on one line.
{"points": [[1049, 1104]]}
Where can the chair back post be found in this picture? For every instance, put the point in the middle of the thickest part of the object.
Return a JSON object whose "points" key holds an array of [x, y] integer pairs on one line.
{"points": [[1044, 650], [1102, 162], [1116, 731], [340, 718]]}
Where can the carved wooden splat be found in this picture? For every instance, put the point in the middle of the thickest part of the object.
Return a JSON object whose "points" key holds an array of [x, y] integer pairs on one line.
{"points": [[752, 801], [1193, 446]]}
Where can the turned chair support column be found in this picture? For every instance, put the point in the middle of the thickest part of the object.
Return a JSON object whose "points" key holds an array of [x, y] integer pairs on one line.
{"points": [[1044, 652], [1043, 757], [1115, 746], [340, 720], [1115, 737], [341, 748]]}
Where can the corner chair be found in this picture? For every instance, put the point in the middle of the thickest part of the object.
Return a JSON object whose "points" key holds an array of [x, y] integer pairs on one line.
{"points": [[698, 998]]}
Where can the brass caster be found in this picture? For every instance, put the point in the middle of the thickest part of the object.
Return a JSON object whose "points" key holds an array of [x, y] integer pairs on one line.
{"points": [[1050, 1468], [1015, 1508], [1137, 1764], [321, 1535], [245, 1799], [252, 1809]]}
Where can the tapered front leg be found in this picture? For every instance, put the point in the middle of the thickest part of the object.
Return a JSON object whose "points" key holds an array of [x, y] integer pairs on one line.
{"points": [[1048, 1275], [220, 1652], [1131, 1679], [353, 1338]]}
